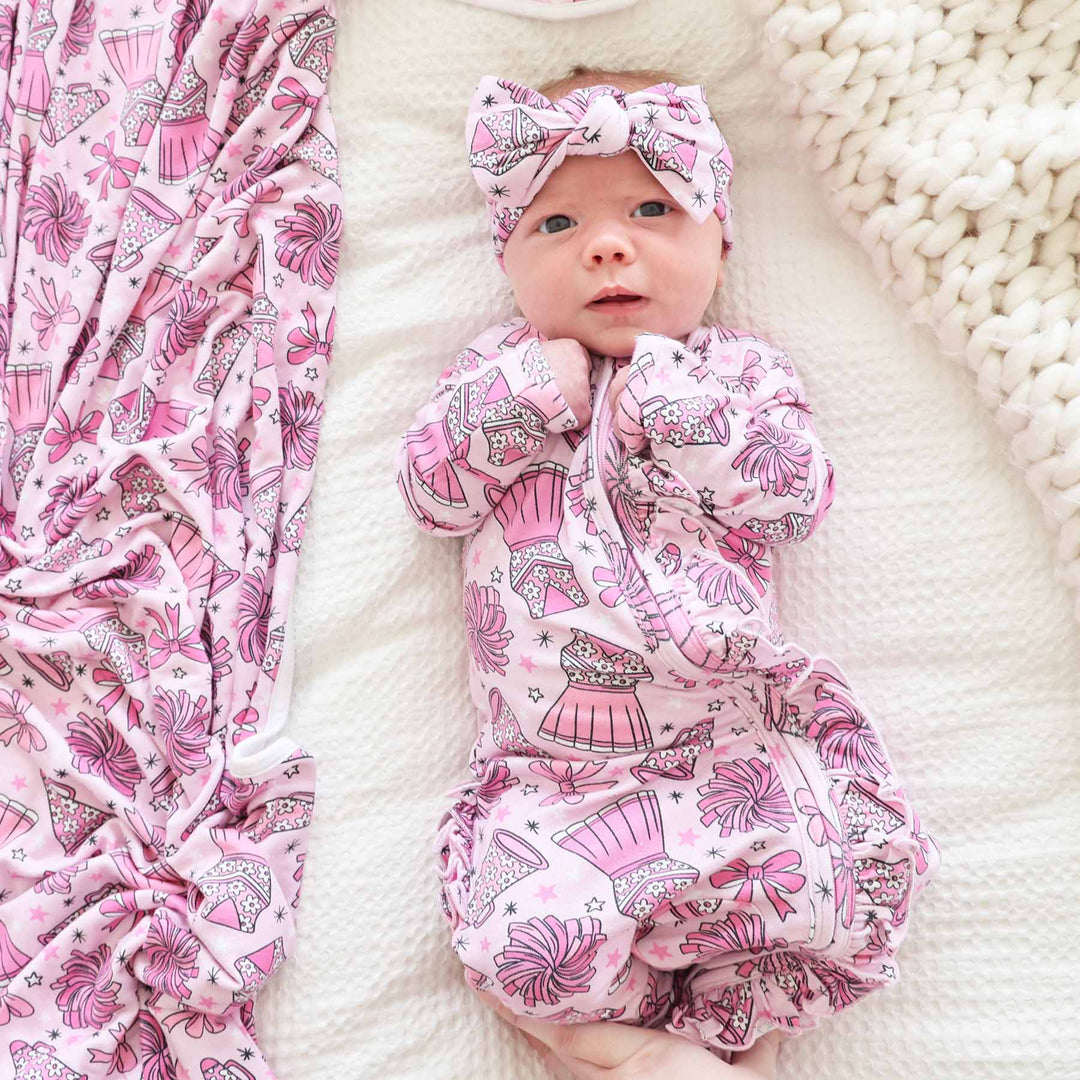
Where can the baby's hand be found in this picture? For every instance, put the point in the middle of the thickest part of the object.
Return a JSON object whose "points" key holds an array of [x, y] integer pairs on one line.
{"points": [[569, 362]]}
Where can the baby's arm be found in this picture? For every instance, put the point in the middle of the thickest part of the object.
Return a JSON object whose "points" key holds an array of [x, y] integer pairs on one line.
{"points": [[736, 428], [486, 420]]}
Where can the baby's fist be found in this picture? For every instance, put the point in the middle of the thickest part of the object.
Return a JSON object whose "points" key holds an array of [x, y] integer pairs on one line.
{"points": [[569, 363]]}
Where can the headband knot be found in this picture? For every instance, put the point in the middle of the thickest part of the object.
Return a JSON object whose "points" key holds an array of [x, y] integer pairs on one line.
{"points": [[603, 129], [516, 138]]}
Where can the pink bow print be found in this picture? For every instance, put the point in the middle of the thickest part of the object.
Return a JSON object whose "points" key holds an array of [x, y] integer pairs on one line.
{"points": [[306, 340], [169, 640], [773, 875], [49, 312], [84, 430], [118, 171], [572, 783], [106, 676], [294, 96]]}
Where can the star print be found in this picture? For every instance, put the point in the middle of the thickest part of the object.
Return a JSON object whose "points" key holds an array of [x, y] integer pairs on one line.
{"points": [[594, 905], [527, 663], [498, 191], [488, 101], [716, 627], [530, 789], [675, 796], [219, 176], [27, 532], [532, 826], [714, 853], [824, 889], [699, 197], [543, 638], [666, 727], [534, 691], [279, 280], [739, 730], [510, 909], [760, 748], [758, 845], [546, 893], [496, 575], [292, 770], [887, 970], [33, 979], [280, 913], [178, 672], [54, 1033], [18, 854], [584, 547], [715, 706]]}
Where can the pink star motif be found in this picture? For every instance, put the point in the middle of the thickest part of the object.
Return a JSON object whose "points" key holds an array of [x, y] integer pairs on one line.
{"points": [[546, 893], [87, 66], [174, 251], [60, 707], [485, 945], [663, 376], [633, 984], [234, 150], [527, 663], [661, 952], [298, 483], [206, 1003], [502, 813], [218, 16], [286, 314], [477, 555], [98, 875], [689, 838], [613, 958], [107, 12], [616, 770], [52, 952], [37, 914], [142, 624], [19, 782]]}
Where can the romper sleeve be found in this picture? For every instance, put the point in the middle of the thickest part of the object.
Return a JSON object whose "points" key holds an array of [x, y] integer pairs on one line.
{"points": [[487, 418], [736, 427]]}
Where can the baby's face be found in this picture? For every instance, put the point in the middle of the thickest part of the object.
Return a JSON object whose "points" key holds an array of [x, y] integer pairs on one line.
{"points": [[605, 221]]}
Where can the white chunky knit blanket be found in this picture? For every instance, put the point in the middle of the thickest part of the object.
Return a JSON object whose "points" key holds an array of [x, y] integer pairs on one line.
{"points": [[948, 135]]}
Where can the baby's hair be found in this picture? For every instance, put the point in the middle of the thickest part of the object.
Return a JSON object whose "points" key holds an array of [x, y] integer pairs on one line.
{"points": [[628, 80]]}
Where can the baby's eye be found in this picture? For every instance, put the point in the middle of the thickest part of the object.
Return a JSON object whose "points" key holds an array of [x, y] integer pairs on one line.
{"points": [[555, 223], [659, 209]]}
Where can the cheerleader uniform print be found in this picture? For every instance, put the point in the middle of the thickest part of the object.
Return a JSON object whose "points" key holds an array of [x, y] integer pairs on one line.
{"points": [[671, 816]]}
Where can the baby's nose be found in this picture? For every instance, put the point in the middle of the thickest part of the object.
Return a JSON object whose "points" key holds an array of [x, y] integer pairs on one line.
{"points": [[609, 248]]}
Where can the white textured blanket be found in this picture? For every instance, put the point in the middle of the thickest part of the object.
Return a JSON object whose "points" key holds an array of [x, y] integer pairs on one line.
{"points": [[931, 582]]}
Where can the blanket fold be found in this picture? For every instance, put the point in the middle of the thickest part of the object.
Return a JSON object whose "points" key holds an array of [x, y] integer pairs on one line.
{"points": [[169, 238]]}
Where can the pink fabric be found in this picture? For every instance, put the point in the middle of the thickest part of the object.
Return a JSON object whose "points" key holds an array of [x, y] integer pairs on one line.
{"points": [[169, 237], [516, 138], [672, 815]]}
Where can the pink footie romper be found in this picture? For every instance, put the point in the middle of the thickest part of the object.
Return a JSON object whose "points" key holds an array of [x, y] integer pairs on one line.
{"points": [[673, 816]]}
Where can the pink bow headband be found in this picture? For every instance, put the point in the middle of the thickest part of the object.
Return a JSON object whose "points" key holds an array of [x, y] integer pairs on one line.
{"points": [[517, 138]]}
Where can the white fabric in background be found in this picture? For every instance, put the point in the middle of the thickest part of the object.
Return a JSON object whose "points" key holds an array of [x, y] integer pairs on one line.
{"points": [[931, 582]]}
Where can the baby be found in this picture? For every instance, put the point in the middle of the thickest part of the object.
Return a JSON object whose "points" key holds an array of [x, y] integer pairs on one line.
{"points": [[673, 818]]}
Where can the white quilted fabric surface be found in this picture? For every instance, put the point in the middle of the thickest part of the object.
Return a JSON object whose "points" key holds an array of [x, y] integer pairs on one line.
{"points": [[931, 582]]}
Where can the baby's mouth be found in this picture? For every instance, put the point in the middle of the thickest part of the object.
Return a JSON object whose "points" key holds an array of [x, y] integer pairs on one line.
{"points": [[622, 299]]}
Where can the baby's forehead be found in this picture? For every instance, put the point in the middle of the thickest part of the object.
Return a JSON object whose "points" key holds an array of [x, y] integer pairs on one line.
{"points": [[594, 178]]}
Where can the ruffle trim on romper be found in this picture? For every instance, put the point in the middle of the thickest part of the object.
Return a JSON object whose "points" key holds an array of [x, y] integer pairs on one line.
{"points": [[453, 848], [881, 860]]}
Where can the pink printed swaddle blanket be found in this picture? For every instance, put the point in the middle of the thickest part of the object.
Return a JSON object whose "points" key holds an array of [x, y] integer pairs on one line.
{"points": [[169, 241]]}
